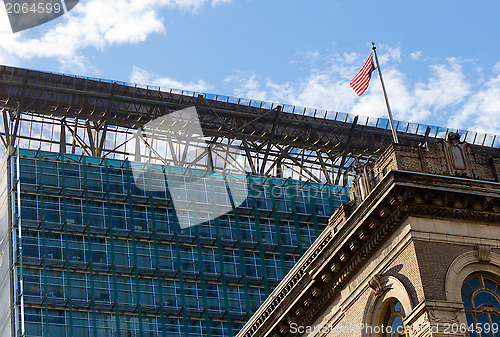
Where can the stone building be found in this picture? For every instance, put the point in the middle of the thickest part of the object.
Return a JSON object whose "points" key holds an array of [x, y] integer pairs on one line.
{"points": [[417, 250]]}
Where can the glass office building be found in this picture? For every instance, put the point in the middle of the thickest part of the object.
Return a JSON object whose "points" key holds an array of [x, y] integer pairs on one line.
{"points": [[90, 253]]}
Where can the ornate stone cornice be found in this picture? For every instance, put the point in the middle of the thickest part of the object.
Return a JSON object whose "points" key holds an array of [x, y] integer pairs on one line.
{"points": [[326, 267]]}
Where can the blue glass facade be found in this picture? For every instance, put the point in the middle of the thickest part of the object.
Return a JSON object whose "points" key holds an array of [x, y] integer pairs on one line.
{"points": [[98, 256]]}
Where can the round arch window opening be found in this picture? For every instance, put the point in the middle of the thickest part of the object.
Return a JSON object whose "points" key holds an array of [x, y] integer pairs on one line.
{"points": [[393, 319], [481, 297]]}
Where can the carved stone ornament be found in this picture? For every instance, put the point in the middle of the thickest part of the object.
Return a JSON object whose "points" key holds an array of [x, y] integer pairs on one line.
{"points": [[456, 156], [443, 317], [375, 284], [426, 317], [483, 253]]}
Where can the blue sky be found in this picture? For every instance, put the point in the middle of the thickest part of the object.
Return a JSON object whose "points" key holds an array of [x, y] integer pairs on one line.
{"points": [[440, 59]]}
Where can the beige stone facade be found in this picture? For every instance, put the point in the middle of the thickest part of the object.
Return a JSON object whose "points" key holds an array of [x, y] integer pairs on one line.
{"points": [[422, 221]]}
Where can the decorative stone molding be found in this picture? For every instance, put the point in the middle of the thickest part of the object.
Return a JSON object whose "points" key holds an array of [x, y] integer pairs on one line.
{"points": [[335, 266], [441, 316], [450, 317], [308, 301], [327, 277], [465, 265], [363, 182], [457, 160], [418, 321], [391, 287], [398, 195], [316, 291], [375, 284], [483, 253], [338, 218]]}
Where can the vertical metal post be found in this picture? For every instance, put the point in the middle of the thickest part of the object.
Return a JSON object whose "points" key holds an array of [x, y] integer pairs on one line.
{"points": [[292, 193], [241, 254], [158, 271], [62, 140], [111, 242], [213, 201], [257, 223], [89, 245], [20, 238], [128, 188], [277, 227], [62, 174], [393, 129]]}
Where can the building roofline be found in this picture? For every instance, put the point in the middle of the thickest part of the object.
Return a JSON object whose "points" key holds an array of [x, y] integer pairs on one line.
{"points": [[353, 235]]}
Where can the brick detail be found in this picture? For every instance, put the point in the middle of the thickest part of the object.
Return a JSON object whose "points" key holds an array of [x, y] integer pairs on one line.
{"points": [[434, 259]]}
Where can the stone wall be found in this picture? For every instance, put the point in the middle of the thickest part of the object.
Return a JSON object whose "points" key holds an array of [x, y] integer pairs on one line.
{"points": [[418, 255]]}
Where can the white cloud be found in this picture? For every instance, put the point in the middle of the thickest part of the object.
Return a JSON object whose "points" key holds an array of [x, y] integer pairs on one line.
{"points": [[373, 104], [447, 95], [481, 112], [248, 85], [220, 2], [326, 86], [323, 88], [416, 55], [97, 24], [391, 54], [496, 68], [446, 88], [141, 76]]}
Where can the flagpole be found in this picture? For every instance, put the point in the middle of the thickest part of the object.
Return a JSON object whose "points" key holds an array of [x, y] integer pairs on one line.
{"points": [[393, 129]]}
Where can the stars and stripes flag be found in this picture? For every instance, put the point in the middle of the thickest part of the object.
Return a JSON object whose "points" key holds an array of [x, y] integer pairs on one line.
{"points": [[360, 82]]}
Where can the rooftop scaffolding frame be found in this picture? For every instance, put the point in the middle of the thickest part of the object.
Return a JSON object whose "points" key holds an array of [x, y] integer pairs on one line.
{"points": [[100, 118]]}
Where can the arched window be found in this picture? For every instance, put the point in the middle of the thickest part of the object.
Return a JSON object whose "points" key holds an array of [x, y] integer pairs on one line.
{"points": [[481, 297], [388, 305], [393, 317]]}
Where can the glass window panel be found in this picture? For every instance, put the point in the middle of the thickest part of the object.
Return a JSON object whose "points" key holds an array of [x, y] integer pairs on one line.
{"points": [[466, 301], [397, 326], [484, 293], [483, 322], [474, 283], [484, 297], [492, 286], [495, 319]]}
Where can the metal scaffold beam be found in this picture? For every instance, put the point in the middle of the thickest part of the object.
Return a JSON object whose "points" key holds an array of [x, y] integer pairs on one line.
{"points": [[100, 118]]}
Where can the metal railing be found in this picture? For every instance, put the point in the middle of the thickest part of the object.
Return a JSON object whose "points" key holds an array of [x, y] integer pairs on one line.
{"points": [[420, 129], [472, 137]]}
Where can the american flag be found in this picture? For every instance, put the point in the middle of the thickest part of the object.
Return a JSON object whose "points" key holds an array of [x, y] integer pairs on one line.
{"points": [[360, 82]]}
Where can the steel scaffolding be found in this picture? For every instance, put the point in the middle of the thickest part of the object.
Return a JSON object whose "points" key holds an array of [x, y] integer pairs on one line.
{"points": [[99, 118]]}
